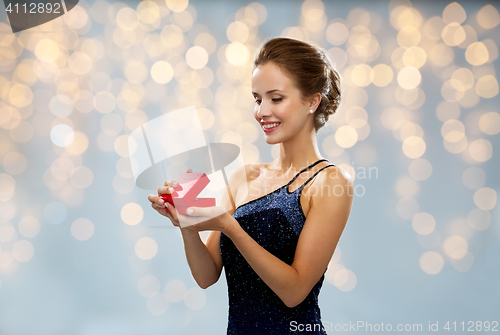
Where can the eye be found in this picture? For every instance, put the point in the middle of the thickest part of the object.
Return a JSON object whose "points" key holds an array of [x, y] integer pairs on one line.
{"points": [[277, 99], [257, 101]]}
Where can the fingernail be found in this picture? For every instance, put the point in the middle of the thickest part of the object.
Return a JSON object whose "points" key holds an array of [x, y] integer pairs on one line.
{"points": [[170, 189], [161, 201], [190, 211]]}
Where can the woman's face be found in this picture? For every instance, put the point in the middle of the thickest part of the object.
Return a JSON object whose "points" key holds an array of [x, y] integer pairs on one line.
{"points": [[278, 104]]}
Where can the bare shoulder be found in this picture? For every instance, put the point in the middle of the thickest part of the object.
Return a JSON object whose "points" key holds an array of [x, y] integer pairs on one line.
{"points": [[333, 182], [245, 173]]}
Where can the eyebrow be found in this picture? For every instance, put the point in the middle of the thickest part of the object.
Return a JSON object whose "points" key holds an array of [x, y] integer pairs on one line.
{"points": [[269, 92]]}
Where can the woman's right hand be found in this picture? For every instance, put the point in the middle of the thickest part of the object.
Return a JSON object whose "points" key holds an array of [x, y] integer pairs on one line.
{"points": [[160, 205]]}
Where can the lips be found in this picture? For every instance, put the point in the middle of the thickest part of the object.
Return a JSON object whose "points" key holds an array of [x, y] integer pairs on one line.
{"points": [[270, 126]]}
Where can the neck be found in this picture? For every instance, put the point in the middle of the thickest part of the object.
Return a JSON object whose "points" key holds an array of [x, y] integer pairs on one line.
{"points": [[298, 152]]}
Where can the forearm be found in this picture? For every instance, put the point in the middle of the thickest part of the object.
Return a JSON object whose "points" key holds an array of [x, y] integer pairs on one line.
{"points": [[199, 259], [282, 278]]}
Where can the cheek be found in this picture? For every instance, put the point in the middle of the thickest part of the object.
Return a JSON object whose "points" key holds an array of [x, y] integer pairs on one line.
{"points": [[255, 111]]}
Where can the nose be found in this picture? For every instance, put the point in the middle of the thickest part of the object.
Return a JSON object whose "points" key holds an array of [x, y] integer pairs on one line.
{"points": [[263, 110]]}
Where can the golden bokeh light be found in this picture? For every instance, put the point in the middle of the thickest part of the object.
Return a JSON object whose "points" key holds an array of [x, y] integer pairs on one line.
{"points": [[14, 163], [487, 86], [127, 19], [454, 12], [104, 102], [453, 130], [410, 129], [346, 136], [477, 54], [431, 262], [485, 198], [406, 187], [453, 34], [206, 41], [462, 79], [480, 150], [407, 208], [237, 54], [196, 57], [420, 169], [337, 33], [29, 226], [237, 32], [361, 75], [414, 146], [23, 251], [79, 145], [423, 223], [148, 285], [455, 246], [183, 20], [82, 177], [7, 232], [20, 95], [404, 16], [136, 72], [148, 12], [463, 264], [489, 123], [177, 5], [408, 36], [450, 93], [474, 177], [414, 56], [47, 50], [162, 72], [132, 214], [409, 77], [488, 17], [479, 219], [82, 229], [146, 248], [441, 55]]}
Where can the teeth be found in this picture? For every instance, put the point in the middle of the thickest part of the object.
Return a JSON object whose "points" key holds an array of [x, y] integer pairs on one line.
{"points": [[271, 125]]}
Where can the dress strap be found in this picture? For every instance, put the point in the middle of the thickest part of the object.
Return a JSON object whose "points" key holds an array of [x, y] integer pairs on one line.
{"points": [[304, 169], [314, 175]]}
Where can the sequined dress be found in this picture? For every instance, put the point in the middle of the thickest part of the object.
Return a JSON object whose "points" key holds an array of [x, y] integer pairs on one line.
{"points": [[274, 221]]}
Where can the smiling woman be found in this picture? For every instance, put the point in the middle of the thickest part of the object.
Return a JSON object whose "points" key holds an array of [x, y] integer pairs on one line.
{"points": [[276, 244]]}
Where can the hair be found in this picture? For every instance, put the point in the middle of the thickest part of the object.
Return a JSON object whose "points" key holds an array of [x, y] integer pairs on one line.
{"points": [[310, 69]]}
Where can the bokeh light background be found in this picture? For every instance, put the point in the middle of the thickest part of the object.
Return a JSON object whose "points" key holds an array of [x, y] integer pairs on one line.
{"points": [[418, 129]]}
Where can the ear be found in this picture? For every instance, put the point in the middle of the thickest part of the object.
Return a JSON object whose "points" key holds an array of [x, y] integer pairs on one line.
{"points": [[314, 101]]}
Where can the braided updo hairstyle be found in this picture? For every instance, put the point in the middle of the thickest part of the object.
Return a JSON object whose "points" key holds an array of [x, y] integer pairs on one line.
{"points": [[309, 68]]}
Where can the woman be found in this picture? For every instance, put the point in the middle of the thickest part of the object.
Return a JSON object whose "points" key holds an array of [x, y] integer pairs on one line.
{"points": [[277, 244]]}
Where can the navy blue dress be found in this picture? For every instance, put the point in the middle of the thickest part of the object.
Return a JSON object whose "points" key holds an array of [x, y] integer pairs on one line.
{"points": [[274, 221]]}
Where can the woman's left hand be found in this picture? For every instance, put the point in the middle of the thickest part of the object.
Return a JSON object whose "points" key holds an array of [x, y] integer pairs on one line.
{"points": [[207, 218]]}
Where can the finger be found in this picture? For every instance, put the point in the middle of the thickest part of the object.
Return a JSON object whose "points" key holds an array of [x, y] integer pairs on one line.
{"points": [[159, 208], [152, 198], [156, 200], [172, 183], [209, 212], [173, 211], [165, 190]]}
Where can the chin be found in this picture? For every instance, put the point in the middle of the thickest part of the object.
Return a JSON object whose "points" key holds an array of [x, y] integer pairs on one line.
{"points": [[273, 140]]}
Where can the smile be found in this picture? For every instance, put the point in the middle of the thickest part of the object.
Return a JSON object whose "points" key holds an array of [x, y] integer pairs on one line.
{"points": [[270, 126]]}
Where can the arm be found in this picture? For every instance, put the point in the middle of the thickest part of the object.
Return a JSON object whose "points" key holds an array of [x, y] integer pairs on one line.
{"points": [[324, 225]]}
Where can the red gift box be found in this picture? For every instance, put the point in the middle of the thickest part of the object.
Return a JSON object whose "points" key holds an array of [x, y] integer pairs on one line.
{"points": [[189, 187]]}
